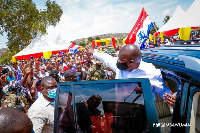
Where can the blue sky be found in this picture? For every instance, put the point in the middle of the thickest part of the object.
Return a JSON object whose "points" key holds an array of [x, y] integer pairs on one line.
{"points": [[84, 18]]}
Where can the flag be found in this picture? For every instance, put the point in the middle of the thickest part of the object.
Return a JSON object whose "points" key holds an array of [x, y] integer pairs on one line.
{"points": [[73, 50], [140, 32], [70, 46], [61, 54]]}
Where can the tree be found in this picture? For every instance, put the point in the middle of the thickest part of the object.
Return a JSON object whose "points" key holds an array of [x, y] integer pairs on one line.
{"points": [[103, 43], [90, 39], [22, 21], [97, 38], [166, 19], [154, 29], [83, 44]]}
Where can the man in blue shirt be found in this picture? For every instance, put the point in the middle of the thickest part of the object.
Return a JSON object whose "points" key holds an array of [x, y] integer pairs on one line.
{"points": [[10, 77]]}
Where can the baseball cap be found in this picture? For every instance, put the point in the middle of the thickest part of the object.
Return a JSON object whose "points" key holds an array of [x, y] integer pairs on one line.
{"points": [[53, 73], [70, 73]]}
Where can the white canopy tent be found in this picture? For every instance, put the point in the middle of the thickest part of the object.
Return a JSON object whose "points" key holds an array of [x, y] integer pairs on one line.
{"points": [[175, 21], [182, 19], [59, 44], [192, 16], [41, 44]]}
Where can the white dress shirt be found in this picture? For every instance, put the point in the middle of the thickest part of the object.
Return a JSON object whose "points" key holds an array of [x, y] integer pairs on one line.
{"points": [[41, 114], [145, 70], [40, 75]]}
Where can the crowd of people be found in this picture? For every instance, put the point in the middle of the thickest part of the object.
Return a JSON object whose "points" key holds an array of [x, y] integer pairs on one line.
{"points": [[30, 86], [21, 82], [27, 75]]}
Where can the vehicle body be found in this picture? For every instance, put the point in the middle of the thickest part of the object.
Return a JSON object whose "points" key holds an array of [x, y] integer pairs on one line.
{"points": [[125, 111]]}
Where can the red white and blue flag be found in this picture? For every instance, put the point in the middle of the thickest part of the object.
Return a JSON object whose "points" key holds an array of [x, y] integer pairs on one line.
{"points": [[73, 48], [140, 32]]}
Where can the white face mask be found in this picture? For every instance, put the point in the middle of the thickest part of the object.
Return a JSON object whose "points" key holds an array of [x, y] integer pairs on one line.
{"points": [[52, 93]]}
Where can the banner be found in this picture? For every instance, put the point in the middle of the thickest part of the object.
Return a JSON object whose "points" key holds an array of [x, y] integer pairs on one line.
{"points": [[124, 40], [113, 41], [184, 33], [98, 44], [150, 37], [13, 59], [47, 55], [140, 32], [93, 44], [161, 36]]}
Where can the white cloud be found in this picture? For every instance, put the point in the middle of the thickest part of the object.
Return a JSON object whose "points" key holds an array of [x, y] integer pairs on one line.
{"points": [[101, 17], [166, 12], [84, 18], [78, 23], [169, 4]]}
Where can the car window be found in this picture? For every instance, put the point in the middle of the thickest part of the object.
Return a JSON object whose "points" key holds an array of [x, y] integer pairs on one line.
{"points": [[105, 106]]}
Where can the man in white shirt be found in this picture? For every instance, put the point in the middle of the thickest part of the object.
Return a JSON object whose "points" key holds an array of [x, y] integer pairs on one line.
{"points": [[42, 72], [129, 65], [41, 112]]}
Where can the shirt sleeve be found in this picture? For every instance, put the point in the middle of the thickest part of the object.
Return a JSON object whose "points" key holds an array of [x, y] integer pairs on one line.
{"points": [[159, 87], [106, 59]]}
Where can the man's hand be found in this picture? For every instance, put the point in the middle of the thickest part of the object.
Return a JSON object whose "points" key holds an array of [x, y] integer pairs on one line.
{"points": [[170, 99], [28, 70], [58, 59], [3, 78], [90, 50], [138, 90]]}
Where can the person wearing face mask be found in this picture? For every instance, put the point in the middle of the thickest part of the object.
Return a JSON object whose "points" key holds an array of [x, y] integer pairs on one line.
{"points": [[41, 112], [129, 64]]}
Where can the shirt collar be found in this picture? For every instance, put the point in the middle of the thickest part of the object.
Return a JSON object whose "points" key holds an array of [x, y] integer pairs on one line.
{"points": [[139, 68], [45, 101]]}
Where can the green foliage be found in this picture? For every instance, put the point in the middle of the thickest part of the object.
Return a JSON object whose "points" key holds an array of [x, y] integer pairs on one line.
{"points": [[97, 38], [166, 19], [102, 43], [90, 39], [83, 44], [154, 29], [22, 21], [74, 42], [6, 56]]}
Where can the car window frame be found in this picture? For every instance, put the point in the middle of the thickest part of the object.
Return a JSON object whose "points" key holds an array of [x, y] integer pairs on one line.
{"points": [[193, 91], [151, 112]]}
